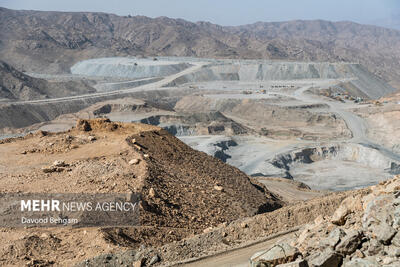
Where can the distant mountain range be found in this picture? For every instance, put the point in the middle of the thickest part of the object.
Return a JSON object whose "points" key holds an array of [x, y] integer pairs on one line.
{"points": [[53, 41]]}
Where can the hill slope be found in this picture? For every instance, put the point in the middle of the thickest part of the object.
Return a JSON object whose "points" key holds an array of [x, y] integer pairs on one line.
{"points": [[53, 41], [16, 85], [181, 188]]}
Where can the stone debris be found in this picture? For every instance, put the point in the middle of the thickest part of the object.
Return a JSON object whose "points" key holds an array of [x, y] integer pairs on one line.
{"points": [[350, 242], [244, 225], [278, 254], [134, 161], [152, 193], [363, 231], [137, 147], [52, 169], [154, 260], [326, 258], [83, 125], [57, 166], [60, 163], [208, 230], [218, 188]]}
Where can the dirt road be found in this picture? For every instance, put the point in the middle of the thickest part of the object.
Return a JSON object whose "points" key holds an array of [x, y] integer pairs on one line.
{"points": [[237, 257], [151, 86]]}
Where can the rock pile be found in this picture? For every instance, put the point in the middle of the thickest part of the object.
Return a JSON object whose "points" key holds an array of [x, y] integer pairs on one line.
{"points": [[363, 231], [57, 166]]}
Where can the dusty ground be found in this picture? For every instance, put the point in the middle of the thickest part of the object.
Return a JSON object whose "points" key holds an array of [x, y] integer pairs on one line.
{"points": [[191, 190], [383, 121], [290, 190]]}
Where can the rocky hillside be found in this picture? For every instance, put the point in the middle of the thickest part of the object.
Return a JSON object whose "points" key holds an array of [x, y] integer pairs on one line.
{"points": [[53, 41], [15, 85], [363, 231], [183, 191]]}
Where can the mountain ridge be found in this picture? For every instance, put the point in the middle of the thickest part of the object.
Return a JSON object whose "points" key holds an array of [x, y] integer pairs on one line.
{"points": [[45, 41]]}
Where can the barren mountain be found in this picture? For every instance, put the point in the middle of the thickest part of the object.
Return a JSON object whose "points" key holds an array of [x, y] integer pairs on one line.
{"points": [[16, 85], [53, 41]]}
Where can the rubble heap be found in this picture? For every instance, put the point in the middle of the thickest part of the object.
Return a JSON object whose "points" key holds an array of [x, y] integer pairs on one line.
{"points": [[363, 231]]}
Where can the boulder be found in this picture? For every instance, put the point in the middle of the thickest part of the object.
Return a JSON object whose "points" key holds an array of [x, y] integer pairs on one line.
{"points": [[392, 251], [326, 258], [154, 260], [333, 238], [218, 188], [278, 254], [350, 242], [380, 209], [383, 232], [83, 125], [339, 216], [152, 193], [373, 247], [134, 161], [396, 240], [348, 205], [60, 163], [52, 169]]}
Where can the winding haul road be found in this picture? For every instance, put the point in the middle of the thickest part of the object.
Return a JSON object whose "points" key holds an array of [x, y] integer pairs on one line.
{"points": [[358, 127], [238, 257], [356, 124], [147, 87]]}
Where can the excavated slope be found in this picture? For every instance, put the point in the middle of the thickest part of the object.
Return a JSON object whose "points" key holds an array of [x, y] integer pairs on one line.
{"points": [[356, 76], [15, 85], [127, 67]]}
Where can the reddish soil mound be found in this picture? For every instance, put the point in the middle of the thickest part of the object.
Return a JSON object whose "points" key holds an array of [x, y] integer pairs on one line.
{"points": [[183, 191], [191, 189]]}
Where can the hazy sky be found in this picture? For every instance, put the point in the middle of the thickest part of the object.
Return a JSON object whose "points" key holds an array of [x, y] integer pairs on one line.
{"points": [[226, 12]]}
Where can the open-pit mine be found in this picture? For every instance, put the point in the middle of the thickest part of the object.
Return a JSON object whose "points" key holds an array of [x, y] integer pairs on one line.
{"points": [[279, 137], [260, 145], [305, 121]]}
